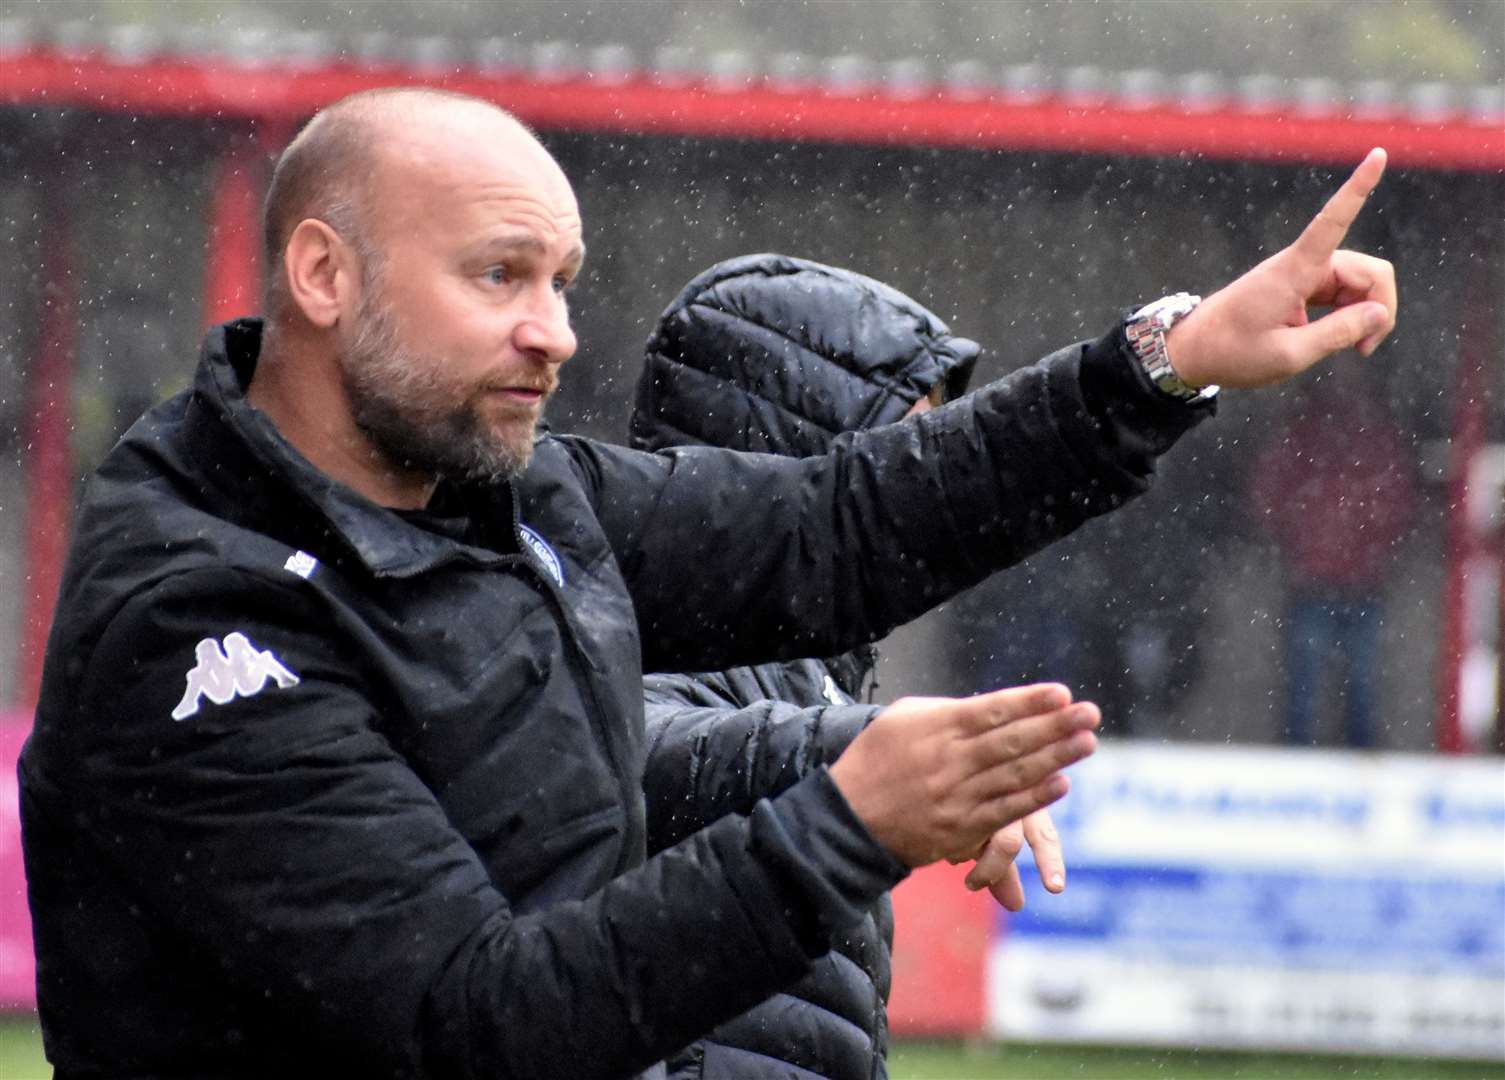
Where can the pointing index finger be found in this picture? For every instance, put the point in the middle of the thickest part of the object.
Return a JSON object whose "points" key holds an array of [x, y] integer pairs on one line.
{"points": [[1321, 238]]}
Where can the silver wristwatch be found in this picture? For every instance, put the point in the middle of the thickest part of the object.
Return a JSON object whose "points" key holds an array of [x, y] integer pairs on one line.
{"points": [[1146, 331]]}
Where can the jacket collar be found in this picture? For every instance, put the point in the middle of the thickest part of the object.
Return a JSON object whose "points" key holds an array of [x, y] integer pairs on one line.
{"points": [[264, 466]]}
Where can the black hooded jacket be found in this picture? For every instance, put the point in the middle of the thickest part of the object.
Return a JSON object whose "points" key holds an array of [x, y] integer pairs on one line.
{"points": [[780, 355], [316, 788]]}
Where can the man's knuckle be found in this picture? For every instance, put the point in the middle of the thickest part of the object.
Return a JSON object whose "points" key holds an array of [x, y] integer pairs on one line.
{"points": [[1344, 332], [1009, 808], [1009, 745], [1016, 776], [1066, 751]]}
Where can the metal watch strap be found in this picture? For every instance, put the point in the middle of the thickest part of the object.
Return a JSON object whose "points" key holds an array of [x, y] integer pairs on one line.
{"points": [[1146, 330]]}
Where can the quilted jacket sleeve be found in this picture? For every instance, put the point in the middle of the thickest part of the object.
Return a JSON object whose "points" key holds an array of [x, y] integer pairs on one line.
{"points": [[713, 751], [812, 557]]}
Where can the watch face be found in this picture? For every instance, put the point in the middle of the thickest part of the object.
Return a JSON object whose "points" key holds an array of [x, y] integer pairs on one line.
{"points": [[1146, 333], [1174, 309], [1168, 309]]}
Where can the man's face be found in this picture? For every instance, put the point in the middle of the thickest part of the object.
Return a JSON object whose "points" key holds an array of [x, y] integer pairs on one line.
{"points": [[461, 325]]}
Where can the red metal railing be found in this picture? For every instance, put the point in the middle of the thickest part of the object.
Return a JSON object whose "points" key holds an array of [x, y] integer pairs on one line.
{"points": [[642, 104]]}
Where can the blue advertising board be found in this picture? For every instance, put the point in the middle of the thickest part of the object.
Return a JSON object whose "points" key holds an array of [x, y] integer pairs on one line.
{"points": [[1260, 897]]}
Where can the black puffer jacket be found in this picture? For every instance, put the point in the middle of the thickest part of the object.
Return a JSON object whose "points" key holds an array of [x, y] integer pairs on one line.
{"points": [[780, 355]]}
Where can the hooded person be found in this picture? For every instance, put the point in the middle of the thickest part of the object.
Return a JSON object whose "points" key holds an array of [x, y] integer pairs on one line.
{"points": [[781, 356]]}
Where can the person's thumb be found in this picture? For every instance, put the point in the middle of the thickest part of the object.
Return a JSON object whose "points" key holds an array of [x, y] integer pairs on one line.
{"points": [[1334, 332]]}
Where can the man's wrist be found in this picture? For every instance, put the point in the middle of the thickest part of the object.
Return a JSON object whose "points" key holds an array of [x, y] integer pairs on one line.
{"points": [[1149, 331], [1178, 346]]}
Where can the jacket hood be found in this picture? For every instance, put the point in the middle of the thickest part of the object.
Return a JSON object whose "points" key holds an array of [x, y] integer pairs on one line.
{"points": [[780, 355]]}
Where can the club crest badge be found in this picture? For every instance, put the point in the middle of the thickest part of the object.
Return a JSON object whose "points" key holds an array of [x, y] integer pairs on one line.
{"points": [[540, 550]]}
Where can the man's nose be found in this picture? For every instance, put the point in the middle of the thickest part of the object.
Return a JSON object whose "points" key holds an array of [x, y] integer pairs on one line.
{"points": [[545, 330]]}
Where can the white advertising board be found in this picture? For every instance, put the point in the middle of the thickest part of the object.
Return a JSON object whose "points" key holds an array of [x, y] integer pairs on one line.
{"points": [[1240, 897]]}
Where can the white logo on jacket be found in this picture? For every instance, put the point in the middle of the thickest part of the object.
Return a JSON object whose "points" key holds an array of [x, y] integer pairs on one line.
{"points": [[221, 673], [300, 563]]}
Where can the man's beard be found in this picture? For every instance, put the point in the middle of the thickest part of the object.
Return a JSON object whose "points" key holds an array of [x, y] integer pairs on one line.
{"points": [[417, 419]]}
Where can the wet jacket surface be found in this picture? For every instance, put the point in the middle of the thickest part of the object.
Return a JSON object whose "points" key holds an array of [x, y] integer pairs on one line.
{"points": [[780, 355], [317, 788], [734, 737]]}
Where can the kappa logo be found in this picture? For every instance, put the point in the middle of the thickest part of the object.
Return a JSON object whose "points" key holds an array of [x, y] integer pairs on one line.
{"points": [[543, 553], [222, 673]]}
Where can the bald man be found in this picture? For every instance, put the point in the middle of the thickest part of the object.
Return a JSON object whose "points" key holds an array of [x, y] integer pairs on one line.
{"points": [[337, 765]]}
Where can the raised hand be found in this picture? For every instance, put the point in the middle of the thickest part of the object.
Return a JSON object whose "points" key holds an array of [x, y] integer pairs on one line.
{"points": [[935, 777], [1256, 331]]}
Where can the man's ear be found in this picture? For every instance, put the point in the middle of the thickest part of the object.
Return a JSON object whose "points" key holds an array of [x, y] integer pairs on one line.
{"points": [[321, 272]]}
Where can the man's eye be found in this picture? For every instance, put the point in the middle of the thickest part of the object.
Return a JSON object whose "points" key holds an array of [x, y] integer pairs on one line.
{"points": [[497, 275], [563, 284]]}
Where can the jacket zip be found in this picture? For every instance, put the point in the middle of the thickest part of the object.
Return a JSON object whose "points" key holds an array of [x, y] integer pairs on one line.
{"points": [[580, 667]]}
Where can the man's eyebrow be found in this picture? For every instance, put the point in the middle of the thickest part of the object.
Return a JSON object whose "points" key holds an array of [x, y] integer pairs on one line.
{"points": [[530, 243]]}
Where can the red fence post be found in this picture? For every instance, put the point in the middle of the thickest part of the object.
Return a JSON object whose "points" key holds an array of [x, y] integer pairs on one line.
{"points": [[232, 269], [1461, 545], [943, 938]]}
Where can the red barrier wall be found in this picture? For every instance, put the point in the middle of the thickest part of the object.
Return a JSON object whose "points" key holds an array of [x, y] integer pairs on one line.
{"points": [[942, 938], [643, 104]]}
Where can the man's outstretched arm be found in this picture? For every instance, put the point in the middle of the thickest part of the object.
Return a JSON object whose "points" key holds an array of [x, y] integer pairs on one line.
{"points": [[812, 557]]}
